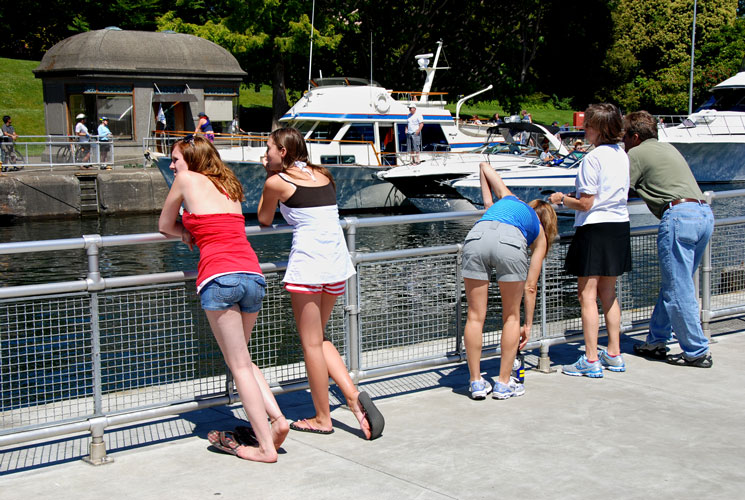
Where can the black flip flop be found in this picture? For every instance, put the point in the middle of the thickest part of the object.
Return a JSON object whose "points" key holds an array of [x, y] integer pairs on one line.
{"points": [[372, 414], [246, 436], [296, 427]]}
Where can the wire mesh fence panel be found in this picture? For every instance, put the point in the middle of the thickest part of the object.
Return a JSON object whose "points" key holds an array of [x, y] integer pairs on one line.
{"points": [[728, 266], [275, 344], [638, 289], [46, 371], [561, 305], [148, 347], [407, 309]]}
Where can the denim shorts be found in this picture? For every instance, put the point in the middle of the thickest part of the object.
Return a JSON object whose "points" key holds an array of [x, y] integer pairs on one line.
{"points": [[245, 289]]}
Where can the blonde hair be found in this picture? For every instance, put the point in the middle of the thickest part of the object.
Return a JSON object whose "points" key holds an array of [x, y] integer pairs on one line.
{"points": [[547, 215], [201, 156], [291, 140]]}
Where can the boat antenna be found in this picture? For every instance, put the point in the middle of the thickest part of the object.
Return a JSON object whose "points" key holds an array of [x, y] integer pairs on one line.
{"points": [[312, 27], [371, 59], [693, 47], [423, 62]]}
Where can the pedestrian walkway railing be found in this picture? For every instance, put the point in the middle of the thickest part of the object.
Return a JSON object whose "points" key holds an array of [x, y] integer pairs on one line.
{"points": [[50, 152], [86, 355]]}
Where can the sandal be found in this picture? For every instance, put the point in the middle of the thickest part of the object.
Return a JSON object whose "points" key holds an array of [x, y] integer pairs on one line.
{"points": [[374, 418], [224, 441], [680, 359]]}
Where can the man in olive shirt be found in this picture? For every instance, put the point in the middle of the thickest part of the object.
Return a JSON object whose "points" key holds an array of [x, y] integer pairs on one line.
{"points": [[661, 177]]}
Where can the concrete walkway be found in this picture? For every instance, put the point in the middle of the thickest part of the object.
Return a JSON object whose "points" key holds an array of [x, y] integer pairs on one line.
{"points": [[656, 431]]}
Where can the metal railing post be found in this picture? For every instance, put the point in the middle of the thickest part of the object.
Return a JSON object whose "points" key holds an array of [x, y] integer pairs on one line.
{"points": [[705, 274], [459, 330], [352, 306], [93, 279], [544, 361]]}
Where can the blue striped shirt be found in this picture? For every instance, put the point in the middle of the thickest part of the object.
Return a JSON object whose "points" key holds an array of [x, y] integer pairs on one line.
{"points": [[510, 210]]}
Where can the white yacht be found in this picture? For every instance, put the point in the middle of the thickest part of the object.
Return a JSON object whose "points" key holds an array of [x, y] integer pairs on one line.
{"points": [[356, 129], [430, 185], [712, 139]]}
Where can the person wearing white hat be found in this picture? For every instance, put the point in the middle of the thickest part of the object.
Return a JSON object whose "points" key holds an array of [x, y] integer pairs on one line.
{"points": [[84, 137], [414, 125]]}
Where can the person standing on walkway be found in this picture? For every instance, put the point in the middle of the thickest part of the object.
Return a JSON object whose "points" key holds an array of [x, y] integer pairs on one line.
{"points": [[662, 178], [204, 126], [84, 138], [8, 138], [601, 248], [229, 282], [414, 125], [318, 267], [104, 138], [500, 241]]}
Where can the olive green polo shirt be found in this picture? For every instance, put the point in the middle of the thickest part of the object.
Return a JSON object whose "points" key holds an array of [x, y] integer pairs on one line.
{"points": [[659, 174]]}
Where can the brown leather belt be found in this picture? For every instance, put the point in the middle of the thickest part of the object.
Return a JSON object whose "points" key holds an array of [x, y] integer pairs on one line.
{"points": [[684, 200]]}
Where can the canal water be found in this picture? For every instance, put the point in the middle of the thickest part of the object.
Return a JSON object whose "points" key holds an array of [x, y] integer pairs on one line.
{"points": [[40, 267]]}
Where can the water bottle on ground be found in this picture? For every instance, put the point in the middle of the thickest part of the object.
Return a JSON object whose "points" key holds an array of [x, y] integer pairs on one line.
{"points": [[518, 368]]}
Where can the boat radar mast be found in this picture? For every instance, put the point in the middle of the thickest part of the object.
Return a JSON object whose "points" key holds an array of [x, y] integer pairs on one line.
{"points": [[423, 61]]}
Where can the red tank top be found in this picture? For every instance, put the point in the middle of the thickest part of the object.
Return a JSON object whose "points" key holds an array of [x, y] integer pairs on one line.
{"points": [[223, 247]]}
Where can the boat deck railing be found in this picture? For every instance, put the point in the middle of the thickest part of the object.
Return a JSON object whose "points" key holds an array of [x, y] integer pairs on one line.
{"points": [[86, 355], [675, 126]]}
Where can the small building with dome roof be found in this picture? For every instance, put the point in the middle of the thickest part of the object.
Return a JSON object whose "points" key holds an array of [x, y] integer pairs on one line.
{"points": [[138, 80]]}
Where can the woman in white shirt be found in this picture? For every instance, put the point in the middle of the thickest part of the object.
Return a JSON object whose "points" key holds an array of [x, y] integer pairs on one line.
{"points": [[601, 248]]}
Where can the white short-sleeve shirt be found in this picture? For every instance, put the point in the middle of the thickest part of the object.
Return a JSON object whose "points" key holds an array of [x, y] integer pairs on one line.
{"points": [[604, 173]]}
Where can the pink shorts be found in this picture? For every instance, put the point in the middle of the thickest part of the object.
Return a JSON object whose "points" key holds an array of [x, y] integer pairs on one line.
{"points": [[328, 288]]}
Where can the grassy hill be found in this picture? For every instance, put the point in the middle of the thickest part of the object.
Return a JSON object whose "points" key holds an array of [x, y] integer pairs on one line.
{"points": [[22, 98]]}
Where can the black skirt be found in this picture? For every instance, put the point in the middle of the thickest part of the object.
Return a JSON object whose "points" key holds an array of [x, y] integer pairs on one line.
{"points": [[600, 250]]}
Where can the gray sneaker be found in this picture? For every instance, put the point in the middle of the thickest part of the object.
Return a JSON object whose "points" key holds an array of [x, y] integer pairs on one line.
{"points": [[479, 389], [651, 351], [612, 363]]}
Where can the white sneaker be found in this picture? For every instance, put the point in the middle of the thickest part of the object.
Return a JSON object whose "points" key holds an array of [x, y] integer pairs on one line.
{"points": [[479, 389]]}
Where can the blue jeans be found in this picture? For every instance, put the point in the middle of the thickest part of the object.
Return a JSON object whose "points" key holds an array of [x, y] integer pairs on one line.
{"points": [[245, 289], [684, 232]]}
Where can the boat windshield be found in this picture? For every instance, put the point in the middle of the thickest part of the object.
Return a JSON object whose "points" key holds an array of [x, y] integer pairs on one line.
{"points": [[726, 100], [325, 131], [505, 148], [568, 161]]}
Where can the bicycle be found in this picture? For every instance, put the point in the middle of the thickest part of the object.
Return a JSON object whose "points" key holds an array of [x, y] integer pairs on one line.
{"points": [[66, 153], [11, 156]]}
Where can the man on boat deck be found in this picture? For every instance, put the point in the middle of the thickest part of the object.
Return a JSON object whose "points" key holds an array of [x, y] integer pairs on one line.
{"points": [[414, 125], [663, 179]]}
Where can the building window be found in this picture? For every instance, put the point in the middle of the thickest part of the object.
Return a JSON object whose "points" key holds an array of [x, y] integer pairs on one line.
{"points": [[97, 100]]}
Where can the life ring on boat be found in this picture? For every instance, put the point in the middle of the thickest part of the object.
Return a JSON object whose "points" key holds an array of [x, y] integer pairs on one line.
{"points": [[382, 104]]}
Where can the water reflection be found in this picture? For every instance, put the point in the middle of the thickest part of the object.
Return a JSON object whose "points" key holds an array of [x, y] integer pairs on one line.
{"points": [[21, 269]]}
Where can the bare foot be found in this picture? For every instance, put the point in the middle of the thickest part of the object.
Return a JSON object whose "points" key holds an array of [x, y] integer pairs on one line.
{"points": [[312, 425], [280, 429], [256, 454], [354, 405]]}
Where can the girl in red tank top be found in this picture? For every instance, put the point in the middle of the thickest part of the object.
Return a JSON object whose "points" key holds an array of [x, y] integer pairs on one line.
{"points": [[229, 282]]}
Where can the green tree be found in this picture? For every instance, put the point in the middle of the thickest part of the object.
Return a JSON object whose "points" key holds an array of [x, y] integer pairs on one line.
{"points": [[650, 56], [267, 37]]}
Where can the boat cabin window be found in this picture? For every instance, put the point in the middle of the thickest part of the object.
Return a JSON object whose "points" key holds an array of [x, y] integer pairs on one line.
{"points": [[303, 126], [360, 132], [337, 159], [325, 131], [433, 138]]}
